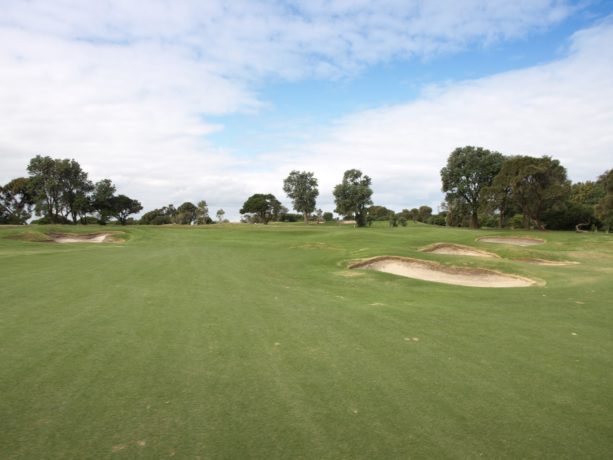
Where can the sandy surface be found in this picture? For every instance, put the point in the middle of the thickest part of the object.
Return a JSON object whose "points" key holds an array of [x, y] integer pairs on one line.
{"points": [[430, 271], [96, 238], [457, 250], [517, 241]]}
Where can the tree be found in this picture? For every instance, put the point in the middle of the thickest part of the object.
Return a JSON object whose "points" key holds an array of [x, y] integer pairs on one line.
{"points": [[424, 213], [101, 200], [46, 188], [160, 216], [604, 208], [122, 206], [380, 213], [16, 202], [265, 207], [220, 215], [353, 195], [328, 216], [470, 169], [301, 187], [537, 185], [202, 213], [186, 214], [76, 188]]}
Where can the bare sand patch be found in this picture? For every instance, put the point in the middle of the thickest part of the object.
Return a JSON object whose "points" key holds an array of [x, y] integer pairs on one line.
{"points": [[438, 273], [457, 250], [547, 262], [63, 238], [514, 240]]}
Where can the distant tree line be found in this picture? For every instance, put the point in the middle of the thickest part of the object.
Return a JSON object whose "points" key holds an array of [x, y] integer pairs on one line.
{"points": [[482, 188], [58, 191]]}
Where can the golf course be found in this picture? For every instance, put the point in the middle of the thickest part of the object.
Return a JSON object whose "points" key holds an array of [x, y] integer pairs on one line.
{"points": [[289, 341]]}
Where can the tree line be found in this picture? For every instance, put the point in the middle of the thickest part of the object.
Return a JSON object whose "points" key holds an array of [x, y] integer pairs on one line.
{"points": [[58, 191], [482, 188], [485, 187]]}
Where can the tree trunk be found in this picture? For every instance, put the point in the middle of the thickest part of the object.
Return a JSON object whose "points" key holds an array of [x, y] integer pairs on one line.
{"points": [[474, 220], [306, 217]]}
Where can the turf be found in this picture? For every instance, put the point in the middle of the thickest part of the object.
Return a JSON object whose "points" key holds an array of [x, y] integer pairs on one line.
{"points": [[238, 341]]}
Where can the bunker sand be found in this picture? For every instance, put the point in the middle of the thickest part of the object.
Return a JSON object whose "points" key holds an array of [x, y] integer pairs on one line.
{"points": [[63, 238], [457, 250], [431, 271]]}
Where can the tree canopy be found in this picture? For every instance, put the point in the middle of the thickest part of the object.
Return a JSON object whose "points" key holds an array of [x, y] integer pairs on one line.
{"points": [[265, 207], [536, 185], [301, 187], [468, 171], [353, 195]]}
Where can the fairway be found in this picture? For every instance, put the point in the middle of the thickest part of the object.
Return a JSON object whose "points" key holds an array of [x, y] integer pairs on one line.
{"points": [[251, 341]]}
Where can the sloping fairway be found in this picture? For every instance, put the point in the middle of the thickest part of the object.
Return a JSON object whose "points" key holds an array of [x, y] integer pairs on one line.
{"points": [[242, 341]]}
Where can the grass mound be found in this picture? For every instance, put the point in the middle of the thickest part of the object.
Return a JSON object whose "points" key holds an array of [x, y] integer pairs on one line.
{"points": [[457, 250], [513, 240]]}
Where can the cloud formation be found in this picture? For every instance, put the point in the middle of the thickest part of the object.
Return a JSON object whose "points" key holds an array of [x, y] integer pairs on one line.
{"points": [[128, 90]]}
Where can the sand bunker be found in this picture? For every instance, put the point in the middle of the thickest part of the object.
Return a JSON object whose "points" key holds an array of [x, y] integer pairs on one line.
{"points": [[456, 250], [431, 271], [76, 238], [517, 241], [556, 263]]}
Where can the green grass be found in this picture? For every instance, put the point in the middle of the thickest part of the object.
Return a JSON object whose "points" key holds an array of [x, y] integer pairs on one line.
{"points": [[240, 341]]}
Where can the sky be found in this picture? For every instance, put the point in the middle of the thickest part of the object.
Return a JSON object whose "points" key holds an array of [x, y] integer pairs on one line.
{"points": [[184, 100]]}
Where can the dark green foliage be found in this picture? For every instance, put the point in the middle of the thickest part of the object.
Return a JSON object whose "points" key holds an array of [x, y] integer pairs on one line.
{"points": [[328, 216], [424, 213], [104, 191], [160, 216], [569, 216], [186, 214], [536, 185], [122, 206], [16, 202], [469, 170], [379, 213], [265, 207], [604, 208], [353, 195], [301, 187]]}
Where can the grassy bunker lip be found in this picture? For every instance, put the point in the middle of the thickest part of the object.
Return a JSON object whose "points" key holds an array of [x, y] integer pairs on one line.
{"points": [[457, 250], [438, 273], [513, 240], [553, 263]]}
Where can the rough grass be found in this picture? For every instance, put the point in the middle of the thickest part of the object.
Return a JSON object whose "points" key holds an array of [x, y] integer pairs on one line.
{"points": [[251, 342]]}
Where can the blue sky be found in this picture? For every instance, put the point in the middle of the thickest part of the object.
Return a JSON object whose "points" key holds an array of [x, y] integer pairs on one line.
{"points": [[190, 100]]}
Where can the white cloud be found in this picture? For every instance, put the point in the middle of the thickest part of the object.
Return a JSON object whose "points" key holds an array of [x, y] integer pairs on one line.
{"points": [[126, 88], [563, 109]]}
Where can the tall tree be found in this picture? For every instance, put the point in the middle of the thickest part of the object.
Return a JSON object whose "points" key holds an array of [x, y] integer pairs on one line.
{"points": [[301, 187], [15, 202], [265, 207], [102, 200], [353, 195], [46, 188], [604, 208], [220, 215], [202, 213], [469, 170], [187, 213], [537, 185], [76, 188]]}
